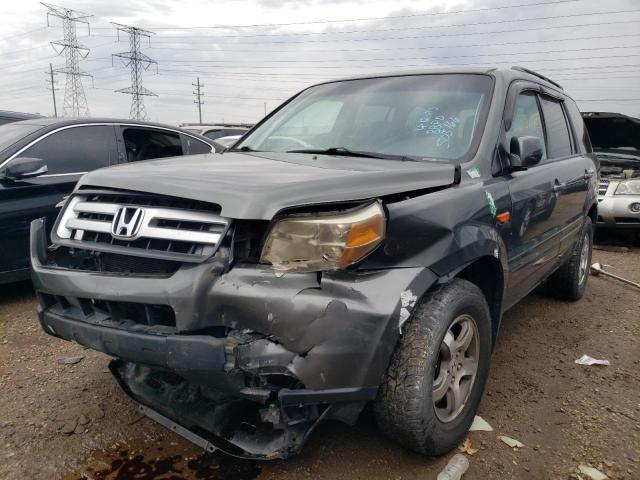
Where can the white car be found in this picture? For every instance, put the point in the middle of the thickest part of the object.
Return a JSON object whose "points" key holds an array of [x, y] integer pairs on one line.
{"points": [[214, 132], [616, 142], [227, 141]]}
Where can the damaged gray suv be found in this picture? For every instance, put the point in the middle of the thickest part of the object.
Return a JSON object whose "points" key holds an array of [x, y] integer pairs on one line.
{"points": [[359, 245]]}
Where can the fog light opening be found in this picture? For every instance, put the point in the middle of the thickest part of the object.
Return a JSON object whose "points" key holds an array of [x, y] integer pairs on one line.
{"points": [[635, 207]]}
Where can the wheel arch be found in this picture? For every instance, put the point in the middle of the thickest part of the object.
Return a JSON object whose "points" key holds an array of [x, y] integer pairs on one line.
{"points": [[593, 213], [487, 274]]}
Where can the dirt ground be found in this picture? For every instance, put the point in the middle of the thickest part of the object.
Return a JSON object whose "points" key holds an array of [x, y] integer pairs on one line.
{"points": [[71, 421]]}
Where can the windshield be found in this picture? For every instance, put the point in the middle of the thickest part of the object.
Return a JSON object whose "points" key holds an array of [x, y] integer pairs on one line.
{"points": [[10, 133], [418, 116]]}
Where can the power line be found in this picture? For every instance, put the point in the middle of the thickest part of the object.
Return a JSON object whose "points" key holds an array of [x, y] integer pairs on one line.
{"points": [[192, 61], [411, 37], [75, 102], [395, 49], [137, 61], [428, 27], [391, 17], [10, 37]]}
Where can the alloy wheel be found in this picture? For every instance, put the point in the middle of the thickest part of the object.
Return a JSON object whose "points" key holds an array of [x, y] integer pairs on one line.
{"points": [[456, 368], [584, 259]]}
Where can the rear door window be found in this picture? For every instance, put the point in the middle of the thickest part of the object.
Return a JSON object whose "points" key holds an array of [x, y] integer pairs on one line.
{"points": [[558, 134], [582, 135], [149, 143], [76, 149]]}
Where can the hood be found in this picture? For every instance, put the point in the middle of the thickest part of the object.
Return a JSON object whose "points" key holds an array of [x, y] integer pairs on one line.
{"points": [[614, 136], [258, 185]]}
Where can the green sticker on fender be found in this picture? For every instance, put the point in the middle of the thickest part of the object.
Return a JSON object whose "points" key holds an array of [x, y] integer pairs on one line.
{"points": [[491, 203]]}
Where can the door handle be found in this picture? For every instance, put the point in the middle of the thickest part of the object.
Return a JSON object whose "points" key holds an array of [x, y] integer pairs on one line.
{"points": [[558, 187], [588, 174]]}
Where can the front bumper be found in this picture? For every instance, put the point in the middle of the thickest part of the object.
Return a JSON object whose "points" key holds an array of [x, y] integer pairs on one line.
{"points": [[291, 350], [614, 212]]}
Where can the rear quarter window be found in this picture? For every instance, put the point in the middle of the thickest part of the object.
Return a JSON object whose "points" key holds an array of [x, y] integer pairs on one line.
{"points": [[579, 127]]}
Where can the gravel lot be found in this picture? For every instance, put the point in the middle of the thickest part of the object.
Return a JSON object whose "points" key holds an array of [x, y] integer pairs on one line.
{"points": [[71, 421]]}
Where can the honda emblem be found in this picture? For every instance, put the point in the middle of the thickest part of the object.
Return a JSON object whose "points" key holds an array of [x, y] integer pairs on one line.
{"points": [[127, 222]]}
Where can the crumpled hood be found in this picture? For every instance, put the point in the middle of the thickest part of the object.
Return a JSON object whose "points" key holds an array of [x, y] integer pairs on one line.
{"points": [[258, 185]]}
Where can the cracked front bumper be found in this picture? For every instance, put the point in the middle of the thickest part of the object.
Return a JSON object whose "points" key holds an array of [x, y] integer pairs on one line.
{"points": [[309, 346]]}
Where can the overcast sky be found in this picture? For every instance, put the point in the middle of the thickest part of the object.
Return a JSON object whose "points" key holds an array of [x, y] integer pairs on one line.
{"points": [[248, 52]]}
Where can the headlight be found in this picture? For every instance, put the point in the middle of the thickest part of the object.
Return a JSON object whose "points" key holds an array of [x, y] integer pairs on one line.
{"points": [[324, 242], [628, 187]]}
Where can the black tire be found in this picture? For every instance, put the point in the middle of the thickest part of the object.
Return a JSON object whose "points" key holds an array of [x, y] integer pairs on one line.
{"points": [[404, 408], [567, 283]]}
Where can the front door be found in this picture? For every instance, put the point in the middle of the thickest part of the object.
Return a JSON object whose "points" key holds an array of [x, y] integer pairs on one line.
{"points": [[535, 237]]}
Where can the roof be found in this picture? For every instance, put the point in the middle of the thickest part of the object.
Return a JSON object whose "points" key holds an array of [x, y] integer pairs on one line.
{"points": [[54, 123], [47, 121], [508, 73]]}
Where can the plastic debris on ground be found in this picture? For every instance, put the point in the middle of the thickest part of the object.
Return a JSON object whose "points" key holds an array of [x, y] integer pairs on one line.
{"points": [[70, 360], [587, 360], [467, 447], [512, 442], [480, 425], [455, 468], [592, 473]]}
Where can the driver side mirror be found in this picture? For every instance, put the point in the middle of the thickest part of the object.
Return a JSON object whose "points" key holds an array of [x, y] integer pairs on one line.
{"points": [[25, 167], [525, 151]]}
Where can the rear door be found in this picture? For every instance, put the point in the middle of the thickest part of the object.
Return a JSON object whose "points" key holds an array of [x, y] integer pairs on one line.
{"points": [[68, 153], [573, 171]]}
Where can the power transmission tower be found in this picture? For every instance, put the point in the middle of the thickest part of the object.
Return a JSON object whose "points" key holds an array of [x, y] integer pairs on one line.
{"points": [[138, 62], [75, 102], [52, 86], [199, 94]]}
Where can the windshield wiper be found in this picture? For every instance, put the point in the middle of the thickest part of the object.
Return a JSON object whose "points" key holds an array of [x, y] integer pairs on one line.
{"points": [[345, 152]]}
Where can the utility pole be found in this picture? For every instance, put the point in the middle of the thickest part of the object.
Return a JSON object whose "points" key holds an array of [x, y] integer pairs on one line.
{"points": [[265, 109], [50, 80], [138, 62], [199, 94], [75, 102]]}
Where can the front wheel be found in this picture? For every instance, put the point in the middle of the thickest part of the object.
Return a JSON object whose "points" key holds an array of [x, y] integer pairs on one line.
{"points": [[570, 280], [438, 370]]}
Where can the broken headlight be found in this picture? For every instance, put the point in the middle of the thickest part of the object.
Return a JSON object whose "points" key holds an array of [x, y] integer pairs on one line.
{"points": [[628, 187], [321, 242]]}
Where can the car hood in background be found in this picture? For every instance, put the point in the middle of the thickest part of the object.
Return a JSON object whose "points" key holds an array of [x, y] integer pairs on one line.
{"points": [[613, 133], [258, 185]]}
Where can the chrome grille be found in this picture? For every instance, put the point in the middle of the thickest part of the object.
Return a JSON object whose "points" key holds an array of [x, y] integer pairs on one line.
{"points": [[603, 186], [164, 231]]}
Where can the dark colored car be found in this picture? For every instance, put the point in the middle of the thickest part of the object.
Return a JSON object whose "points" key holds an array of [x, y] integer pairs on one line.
{"points": [[7, 116], [616, 142], [359, 245], [42, 159]]}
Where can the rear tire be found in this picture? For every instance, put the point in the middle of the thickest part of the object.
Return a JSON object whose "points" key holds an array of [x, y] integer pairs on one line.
{"points": [[570, 281], [423, 365]]}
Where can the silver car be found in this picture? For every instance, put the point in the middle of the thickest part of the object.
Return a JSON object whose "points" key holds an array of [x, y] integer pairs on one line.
{"points": [[616, 142]]}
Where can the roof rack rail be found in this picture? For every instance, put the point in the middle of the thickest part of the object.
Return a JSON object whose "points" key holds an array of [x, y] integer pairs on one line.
{"points": [[536, 74]]}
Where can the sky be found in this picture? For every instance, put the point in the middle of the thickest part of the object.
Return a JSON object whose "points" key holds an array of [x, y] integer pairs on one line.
{"points": [[253, 54]]}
